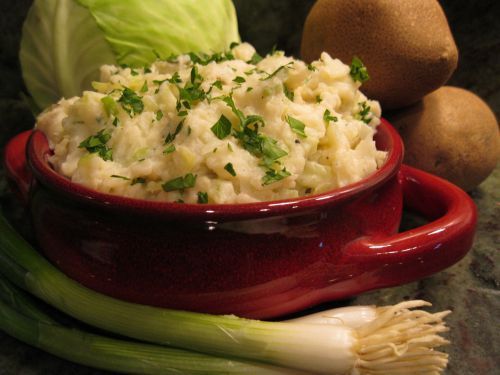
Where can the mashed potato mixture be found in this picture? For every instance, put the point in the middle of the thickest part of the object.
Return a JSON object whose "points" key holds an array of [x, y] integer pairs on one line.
{"points": [[225, 128]]}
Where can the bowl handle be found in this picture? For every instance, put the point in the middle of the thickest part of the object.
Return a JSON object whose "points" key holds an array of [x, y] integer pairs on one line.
{"points": [[422, 251], [16, 167]]}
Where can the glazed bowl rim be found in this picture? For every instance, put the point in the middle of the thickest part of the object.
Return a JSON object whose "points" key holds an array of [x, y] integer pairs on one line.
{"points": [[38, 152]]}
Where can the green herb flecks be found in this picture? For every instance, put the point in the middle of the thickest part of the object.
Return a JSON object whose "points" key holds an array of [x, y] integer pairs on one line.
{"points": [[97, 144], [169, 149], [202, 197], [121, 177], [217, 84], [251, 139], [327, 116], [311, 67], [192, 92], [288, 93], [272, 176], [230, 102], [230, 169], [358, 71], [297, 126], [131, 102], [239, 80], [364, 113], [138, 180], [222, 128], [180, 183], [205, 59], [171, 136], [159, 115], [144, 87], [256, 58], [271, 75]]}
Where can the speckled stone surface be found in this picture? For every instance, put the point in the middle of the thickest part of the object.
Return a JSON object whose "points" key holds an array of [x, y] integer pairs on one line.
{"points": [[470, 288]]}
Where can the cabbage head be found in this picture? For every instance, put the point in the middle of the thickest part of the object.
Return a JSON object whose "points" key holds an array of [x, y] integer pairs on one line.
{"points": [[64, 42]]}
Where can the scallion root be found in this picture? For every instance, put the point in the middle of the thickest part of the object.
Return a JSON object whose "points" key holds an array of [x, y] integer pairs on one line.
{"points": [[402, 341]]}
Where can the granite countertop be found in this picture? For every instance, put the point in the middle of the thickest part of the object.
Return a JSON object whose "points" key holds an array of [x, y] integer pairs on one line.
{"points": [[470, 288]]}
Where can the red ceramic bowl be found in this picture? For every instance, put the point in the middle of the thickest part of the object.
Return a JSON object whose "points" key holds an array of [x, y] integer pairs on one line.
{"points": [[257, 260]]}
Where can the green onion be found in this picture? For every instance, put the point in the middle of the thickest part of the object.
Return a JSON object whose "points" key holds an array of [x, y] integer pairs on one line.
{"points": [[297, 126], [23, 318], [397, 341]]}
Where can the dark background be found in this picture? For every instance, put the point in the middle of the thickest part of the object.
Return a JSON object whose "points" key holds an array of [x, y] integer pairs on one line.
{"points": [[470, 288]]}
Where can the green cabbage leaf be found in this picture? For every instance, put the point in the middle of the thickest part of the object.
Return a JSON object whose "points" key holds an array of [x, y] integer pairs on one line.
{"points": [[64, 42]]}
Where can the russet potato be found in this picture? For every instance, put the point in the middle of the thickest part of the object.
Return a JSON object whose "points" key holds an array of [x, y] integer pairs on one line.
{"points": [[451, 133], [407, 46]]}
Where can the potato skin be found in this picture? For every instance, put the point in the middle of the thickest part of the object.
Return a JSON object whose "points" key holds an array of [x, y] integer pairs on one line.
{"points": [[451, 133], [407, 46]]}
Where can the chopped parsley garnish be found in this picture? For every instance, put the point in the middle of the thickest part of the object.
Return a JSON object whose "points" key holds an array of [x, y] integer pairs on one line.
{"points": [[131, 102], [202, 197], [327, 116], [230, 169], [239, 80], [116, 121], [110, 105], [138, 180], [147, 70], [249, 137], [122, 177], [192, 91], [182, 113], [169, 149], [180, 183], [217, 84], [144, 87], [289, 94], [364, 113], [358, 70], [297, 126], [233, 44], [272, 176], [230, 102], [176, 78], [171, 136], [311, 67], [204, 59], [318, 99], [159, 115], [249, 89], [97, 144], [256, 58], [172, 58], [222, 128], [269, 76]]}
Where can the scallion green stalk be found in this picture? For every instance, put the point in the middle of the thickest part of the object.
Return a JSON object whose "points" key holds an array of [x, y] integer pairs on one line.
{"points": [[22, 318], [396, 341]]}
